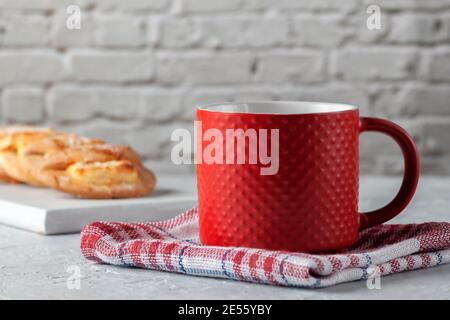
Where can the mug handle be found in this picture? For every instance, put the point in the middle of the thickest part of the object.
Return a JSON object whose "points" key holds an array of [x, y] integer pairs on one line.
{"points": [[410, 176]]}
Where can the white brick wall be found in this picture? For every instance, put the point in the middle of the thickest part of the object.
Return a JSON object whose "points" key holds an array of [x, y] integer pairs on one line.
{"points": [[369, 64], [136, 69], [111, 66], [23, 104], [203, 68], [30, 66]]}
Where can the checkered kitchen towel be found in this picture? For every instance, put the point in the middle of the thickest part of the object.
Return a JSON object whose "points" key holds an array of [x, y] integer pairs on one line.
{"points": [[173, 245]]}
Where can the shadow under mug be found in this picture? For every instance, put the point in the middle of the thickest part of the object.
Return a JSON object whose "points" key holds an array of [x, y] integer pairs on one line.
{"points": [[310, 204]]}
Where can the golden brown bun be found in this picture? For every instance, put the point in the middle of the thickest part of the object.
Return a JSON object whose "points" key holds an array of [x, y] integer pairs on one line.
{"points": [[5, 178], [89, 153], [13, 141], [48, 157], [50, 152], [106, 180], [86, 168]]}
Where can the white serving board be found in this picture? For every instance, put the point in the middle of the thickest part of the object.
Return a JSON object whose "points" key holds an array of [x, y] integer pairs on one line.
{"points": [[49, 212]]}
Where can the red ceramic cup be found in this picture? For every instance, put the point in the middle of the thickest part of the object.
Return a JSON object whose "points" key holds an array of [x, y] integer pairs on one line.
{"points": [[310, 203]]}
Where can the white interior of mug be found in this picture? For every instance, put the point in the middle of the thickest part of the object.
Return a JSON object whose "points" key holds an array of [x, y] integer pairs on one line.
{"points": [[278, 107]]}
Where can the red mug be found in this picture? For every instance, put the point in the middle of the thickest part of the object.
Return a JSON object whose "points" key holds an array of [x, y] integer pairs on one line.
{"points": [[306, 202]]}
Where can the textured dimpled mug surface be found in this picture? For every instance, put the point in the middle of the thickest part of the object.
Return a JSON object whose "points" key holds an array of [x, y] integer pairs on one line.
{"points": [[311, 203]]}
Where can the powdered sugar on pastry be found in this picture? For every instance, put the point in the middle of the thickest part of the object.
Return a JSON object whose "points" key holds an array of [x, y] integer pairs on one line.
{"points": [[101, 165]]}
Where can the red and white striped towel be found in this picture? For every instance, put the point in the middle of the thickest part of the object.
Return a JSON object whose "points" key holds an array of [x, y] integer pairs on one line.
{"points": [[173, 245]]}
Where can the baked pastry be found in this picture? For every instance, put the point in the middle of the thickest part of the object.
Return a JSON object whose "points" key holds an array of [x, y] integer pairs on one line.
{"points": [[106, 180], [5, 178], [88, 153], [50, 152], [47, 157], [88, 168], [13, 141]]}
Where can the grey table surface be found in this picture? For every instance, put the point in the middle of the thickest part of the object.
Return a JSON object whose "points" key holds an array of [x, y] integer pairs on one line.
{"points": [[33, 266]]}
